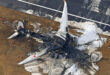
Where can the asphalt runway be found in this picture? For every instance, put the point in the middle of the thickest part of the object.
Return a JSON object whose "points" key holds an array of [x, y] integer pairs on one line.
{"points": [[75, 8]]}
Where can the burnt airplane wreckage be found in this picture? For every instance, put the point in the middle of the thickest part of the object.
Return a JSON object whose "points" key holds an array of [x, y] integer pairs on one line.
{"points": [[59, 45]]}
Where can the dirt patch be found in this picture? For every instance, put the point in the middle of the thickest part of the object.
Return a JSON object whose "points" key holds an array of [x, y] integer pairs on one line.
{"points": [[1, 70]]}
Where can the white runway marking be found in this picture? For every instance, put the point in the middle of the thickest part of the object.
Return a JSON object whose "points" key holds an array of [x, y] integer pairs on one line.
{"points": [[61, 12]]}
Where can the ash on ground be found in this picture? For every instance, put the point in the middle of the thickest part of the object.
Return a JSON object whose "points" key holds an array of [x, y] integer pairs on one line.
{"points": [[58, 64]]}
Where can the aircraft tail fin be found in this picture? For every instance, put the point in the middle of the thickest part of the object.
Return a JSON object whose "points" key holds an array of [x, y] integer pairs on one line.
{"points": [[64, 19], [63, 30]]}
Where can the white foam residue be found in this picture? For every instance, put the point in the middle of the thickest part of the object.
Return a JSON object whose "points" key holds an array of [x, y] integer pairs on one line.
{"points": [[90, 35], [36, 74], [30, 11], [87, 37], [74, 70], [98, 43], [89, 26]]}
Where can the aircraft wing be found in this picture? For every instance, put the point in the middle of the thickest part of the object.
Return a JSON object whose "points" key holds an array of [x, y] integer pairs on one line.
{"points": [[32, 57]]}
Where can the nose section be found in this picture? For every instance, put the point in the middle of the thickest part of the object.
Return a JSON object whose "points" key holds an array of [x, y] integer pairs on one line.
{"points": [[20, 25]]}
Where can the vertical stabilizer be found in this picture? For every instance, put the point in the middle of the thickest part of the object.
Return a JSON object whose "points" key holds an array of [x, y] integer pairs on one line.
{"points": [[64, 19]]}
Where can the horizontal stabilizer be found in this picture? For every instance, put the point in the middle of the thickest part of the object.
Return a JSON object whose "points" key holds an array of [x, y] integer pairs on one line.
{"points": [[13, 35]]}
